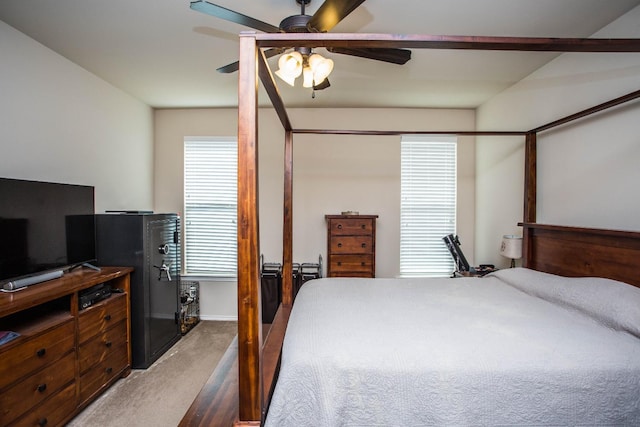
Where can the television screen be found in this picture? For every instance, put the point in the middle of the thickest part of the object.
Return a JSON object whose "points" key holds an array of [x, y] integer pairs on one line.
{"points": [[44, 226]]}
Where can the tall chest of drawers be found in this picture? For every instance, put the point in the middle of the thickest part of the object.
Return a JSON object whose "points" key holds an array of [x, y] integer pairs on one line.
{"points": [[351, 245]]}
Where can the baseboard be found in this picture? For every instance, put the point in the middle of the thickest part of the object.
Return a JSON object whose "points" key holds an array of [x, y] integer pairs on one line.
{"points": [[219, 318]]}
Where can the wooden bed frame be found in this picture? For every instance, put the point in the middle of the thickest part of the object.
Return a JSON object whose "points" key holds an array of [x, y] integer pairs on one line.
{"points": [[245, 394]]}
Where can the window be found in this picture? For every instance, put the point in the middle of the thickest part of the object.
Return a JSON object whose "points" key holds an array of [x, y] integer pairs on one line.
{"points": [[428, 205], [210, 206]]}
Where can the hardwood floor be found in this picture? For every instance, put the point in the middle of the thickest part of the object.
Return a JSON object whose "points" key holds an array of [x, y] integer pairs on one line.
{"points": [[217, 403]]}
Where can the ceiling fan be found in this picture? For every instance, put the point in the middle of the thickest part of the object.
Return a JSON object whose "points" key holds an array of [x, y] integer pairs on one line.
{"points": [[328, 15]]}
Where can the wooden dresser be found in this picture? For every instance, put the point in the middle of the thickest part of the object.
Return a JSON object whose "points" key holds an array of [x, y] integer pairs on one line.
{"points": [[65, 356], [351, 245]]}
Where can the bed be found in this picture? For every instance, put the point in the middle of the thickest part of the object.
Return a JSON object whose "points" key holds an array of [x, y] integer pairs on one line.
{"points": [[517, 347], [492, 399]]}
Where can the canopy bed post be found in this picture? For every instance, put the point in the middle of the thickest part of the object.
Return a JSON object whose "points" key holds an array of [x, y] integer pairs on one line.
{"points": [[249, 316], [530, 191], [287, 230]]}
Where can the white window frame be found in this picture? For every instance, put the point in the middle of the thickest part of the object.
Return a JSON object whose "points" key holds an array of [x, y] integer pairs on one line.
{"points": [[210, 207], [428, 204]]}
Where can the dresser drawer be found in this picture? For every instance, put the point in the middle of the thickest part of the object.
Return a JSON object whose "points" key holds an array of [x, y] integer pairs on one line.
{"points": [[102, 373], [351, 245], [29, 392], [53, 411], [37, 352], [350, 226], [101, 346], [350, 263], [101, 316]]}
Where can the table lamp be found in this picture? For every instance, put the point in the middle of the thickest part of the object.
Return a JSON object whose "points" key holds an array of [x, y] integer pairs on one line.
{"points": [[511, 248]]}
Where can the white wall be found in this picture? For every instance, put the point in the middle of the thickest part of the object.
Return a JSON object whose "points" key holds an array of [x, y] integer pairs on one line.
{"points": [[588, 171], [60, 123], [331, 174]]}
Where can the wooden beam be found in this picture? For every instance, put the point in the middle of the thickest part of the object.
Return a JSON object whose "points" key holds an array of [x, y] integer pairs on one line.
{"points": [[272, 90], [271, 353], [249, 316], [530, 177], [589, 111], [408, 132], [530, 192], [217, 403], [530, 44], [287, 223]]}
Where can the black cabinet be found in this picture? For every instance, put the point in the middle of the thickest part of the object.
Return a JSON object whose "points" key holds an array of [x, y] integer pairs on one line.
{"points": [[150, 244]]}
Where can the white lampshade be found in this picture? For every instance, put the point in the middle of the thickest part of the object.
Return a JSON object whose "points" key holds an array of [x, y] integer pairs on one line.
{"points": [[511, 247], [307, 76], [321, 67], [290, 67]]}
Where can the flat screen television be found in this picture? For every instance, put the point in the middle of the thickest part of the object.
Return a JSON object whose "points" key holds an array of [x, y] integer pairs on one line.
{"points": [[46, 228]]}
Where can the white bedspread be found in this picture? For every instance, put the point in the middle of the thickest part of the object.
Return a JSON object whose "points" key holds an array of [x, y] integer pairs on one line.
{"points": [[459, 352]]}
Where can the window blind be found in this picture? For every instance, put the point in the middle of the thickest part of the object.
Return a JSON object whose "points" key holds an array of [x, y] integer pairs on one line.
{"points": [[210, 206], [428, 205]]}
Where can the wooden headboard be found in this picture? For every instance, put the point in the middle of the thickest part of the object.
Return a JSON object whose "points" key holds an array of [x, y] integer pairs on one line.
{"points": [[578, 252]]}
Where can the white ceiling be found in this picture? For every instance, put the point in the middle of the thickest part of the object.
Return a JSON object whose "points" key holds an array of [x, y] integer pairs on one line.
{"points": [[165, 54]]}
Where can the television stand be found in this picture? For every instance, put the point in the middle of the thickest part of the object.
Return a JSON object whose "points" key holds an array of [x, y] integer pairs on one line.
{"points": [[64, 356]]}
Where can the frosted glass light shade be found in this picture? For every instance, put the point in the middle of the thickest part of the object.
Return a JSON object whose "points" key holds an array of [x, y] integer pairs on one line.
{"points": [[321, 67], [290, 67], [307, 76]]}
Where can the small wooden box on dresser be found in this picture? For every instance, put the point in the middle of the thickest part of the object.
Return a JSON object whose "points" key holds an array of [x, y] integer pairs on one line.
{"points": [[351, 245], [65, 356]]}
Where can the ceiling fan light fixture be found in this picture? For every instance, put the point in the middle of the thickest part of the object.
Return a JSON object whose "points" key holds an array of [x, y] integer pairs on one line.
{"points": [[290, 67]]}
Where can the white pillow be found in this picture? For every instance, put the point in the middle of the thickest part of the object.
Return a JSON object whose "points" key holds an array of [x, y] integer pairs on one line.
{"points": [[615, 304]]}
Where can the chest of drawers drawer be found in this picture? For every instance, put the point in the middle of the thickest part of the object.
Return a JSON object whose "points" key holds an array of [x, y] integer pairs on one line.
{"points": [[101, 316], [36, 352], [351, 245], [52, 411], [102, 345], [359, 265], [349, 226], [103, 373], [37, 387]]}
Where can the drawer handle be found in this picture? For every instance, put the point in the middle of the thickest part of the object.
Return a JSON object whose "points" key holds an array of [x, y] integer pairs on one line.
{"points": [[339, 245], [109, 370], [364, 245], [363, 226], [107, 317], [41, 388], [108, 344], [41, 352], [339, 263], [42, 422], [339, 227], [362, 263]]}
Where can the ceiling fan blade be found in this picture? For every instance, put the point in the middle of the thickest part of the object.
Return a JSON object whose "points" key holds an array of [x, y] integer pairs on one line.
{"points": [[330, 13], [230, 15], [229, 68], [394, 56], [234, 66], [325, 84]]}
